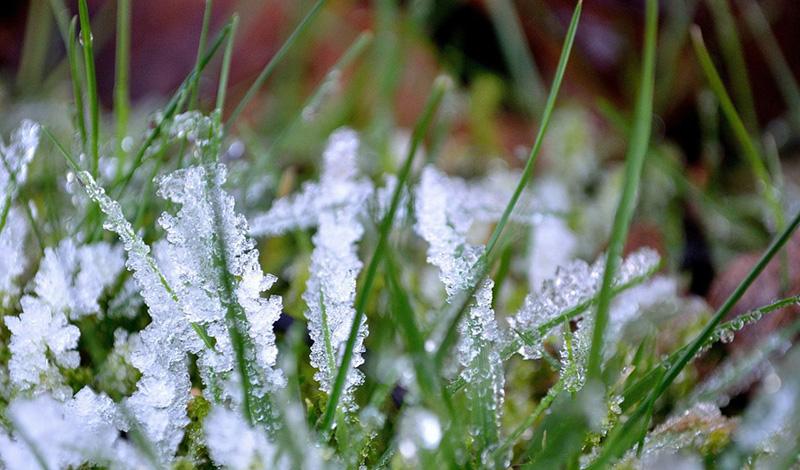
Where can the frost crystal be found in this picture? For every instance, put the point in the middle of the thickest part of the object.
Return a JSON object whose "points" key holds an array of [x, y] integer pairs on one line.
{"points": [[82, 430], [336, 205], [444, 226], [207, 279], [14, 160], [572, 285], [235, 445], [12, 263], [69, 282], [219, 289]]}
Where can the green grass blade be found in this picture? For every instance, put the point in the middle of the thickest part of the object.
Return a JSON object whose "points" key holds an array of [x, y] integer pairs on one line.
{"points": [[122, 66], [173, 105], [765, 39], [201, 46], [459, 305], [226, 67], [733, 54], [527, 172], [749, 148], [440, 87], [266, 72], [625, 435], [634, 161], [518, 56], [34, 47], [77, 79], [87, 41]]}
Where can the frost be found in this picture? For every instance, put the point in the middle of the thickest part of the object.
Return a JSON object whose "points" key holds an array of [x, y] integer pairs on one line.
{"points": [[336, 205], [444, 227], [82, 430], [162, 393], [206, 278], [41, 342], [214, 270], [72, 279], [15, 159], [68, 283], [572, 285], [12, 262], [235, 445]]}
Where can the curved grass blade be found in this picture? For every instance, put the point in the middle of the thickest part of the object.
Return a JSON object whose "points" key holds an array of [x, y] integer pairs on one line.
{"points": [[270, 67], [634, 161], [748, 146], [461, 301], [440, 87], [628, 433], [86, 41]]}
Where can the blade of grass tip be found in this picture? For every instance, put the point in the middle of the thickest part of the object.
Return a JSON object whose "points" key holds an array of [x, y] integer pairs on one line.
{"points": [[200, 51], [61, 16], [86, 41], [351, 54], [733, 54], [441, 85], [173, 105], [459, 306], [634, 161], [527, 172], [518, 56], [620, 439], [765, 40], [121, 73], [746, 142], [35, 45], [226, 67], [273, 62], [77, 80]]}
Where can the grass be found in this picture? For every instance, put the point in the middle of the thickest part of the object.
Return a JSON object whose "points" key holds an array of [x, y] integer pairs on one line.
{"points": [[541, 421]]}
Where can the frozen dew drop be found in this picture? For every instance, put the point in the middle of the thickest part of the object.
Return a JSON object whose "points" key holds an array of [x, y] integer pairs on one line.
{"points": [[726, 336], [127, 144]]}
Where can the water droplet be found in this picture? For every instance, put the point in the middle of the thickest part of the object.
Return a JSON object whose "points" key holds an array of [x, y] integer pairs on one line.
{"points": [[726, 336], [127, 144]]}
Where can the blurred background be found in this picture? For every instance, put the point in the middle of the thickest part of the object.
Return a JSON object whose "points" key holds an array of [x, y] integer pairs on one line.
{"points": [[698, 204]]}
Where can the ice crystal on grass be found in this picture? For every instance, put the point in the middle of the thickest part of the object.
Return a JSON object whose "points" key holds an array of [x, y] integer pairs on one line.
{"points": [[337, 206], [444, 225], [14, 160], [573, 285], [159, 403], [221, 292], [12, 262], [80, 431], [233, 444], [69, 282], [41, 342]]}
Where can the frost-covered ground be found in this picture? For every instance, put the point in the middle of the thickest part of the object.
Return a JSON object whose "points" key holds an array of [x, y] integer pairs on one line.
{"points": [[414, 318]]}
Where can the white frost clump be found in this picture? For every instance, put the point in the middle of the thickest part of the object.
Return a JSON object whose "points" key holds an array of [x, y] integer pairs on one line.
{"points": [[336, 205], [82, 430], [162, 392], [12, 263], [235, 445], [14, 160], [572, 285], [214, 270], [444, 227], [204, 291], [69, 282], [15, 157]]}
